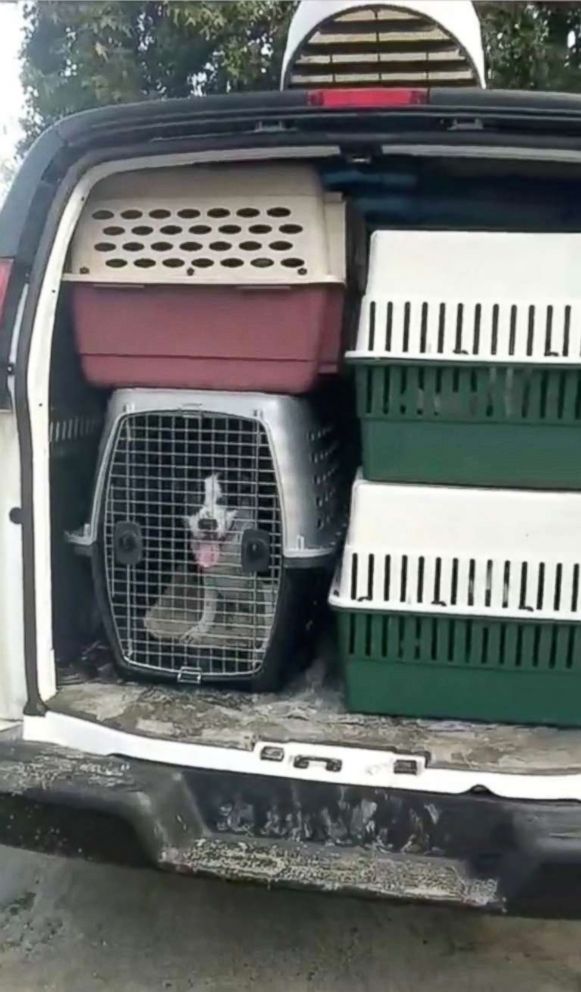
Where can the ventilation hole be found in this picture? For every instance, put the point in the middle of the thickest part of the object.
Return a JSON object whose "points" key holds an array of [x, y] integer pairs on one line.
{"points": [[293, 263], [260, 229], [558, 584], [388, 326], [566, 330], [250, 245], [131, 214], [437, 580], [531, 330], [387, 578], [248, 212], [142, 229], [171, 229], [133, 246], [160, 213], [454, 584], [404, 578], [218, 212], [518, 647], [506, 584], [370, 574], [459, 326], [477, 322], [290, 228], [384, 636], [424, 328], [112, 231], [575, 589], [471, 577], [372, 309], [203, 263], [116, 263], [191, 246], [105, 246], [173, 263], [230, 229], [233, 263], [441, 327], [451, 632], [352, 622], [161, 246], [522, 605], [102, 215], [354, 569], [488, 589], [407, 310], [200, 229], [262, 263], [188, 213], [280, 245], [502, 645], [494, 339], [279, 212], [420, 594], [541, 587], [512, 331], [570, 647], [220, 245], [536, 646], [144, 263], [553, 651]]}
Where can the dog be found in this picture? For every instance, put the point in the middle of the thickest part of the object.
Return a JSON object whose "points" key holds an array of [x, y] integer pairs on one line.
{"points": [[215, 541]]}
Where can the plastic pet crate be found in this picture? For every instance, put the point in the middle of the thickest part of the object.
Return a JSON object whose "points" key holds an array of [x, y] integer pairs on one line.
{"points": [[215, 278], [465, 373], [215, 520], [462, 603]]}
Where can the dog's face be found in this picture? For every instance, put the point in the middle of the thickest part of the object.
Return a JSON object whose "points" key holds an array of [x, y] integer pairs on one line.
{"points": [[210, 523]]}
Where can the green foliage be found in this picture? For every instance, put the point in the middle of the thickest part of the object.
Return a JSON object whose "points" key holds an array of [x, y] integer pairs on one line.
{"points": [[90, 53], [85, 53]]}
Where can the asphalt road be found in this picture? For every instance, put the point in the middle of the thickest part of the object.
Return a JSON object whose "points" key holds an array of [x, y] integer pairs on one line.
{"points": [[73, 926]]}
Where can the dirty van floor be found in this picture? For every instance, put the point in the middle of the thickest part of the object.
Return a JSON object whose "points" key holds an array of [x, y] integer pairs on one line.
{"points": [[311, 710], [69, 925]]}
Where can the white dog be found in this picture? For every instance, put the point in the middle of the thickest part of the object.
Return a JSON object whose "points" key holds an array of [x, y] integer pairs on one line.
{"points": [[216, 534]]}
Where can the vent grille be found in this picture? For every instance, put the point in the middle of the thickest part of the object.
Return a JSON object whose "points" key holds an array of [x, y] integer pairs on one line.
{"points": [[471, 643], [158, 592], [222, 225], [380, 45], [444, 583], [466, 330], [487, 395]]}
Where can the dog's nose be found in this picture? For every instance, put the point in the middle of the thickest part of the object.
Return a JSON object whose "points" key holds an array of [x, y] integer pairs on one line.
{"points": [[208, 523]]}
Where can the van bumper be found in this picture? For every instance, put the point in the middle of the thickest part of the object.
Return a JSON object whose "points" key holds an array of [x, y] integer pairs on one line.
{"points": [[474, 851]]}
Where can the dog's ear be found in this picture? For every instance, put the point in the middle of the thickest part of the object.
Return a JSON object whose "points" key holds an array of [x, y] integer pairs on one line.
{"points": [[212, 489]]}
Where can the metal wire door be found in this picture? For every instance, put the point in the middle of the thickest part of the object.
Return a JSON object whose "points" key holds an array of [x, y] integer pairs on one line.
{"points": [[170, 615]]}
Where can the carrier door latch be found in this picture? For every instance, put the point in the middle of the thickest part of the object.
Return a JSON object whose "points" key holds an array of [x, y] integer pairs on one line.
{"points": [[128, 543], [329, 764], [255, 551]]}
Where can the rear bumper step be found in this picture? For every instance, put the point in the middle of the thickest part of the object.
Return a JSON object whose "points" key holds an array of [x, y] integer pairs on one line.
{"points": [[473, 850]]}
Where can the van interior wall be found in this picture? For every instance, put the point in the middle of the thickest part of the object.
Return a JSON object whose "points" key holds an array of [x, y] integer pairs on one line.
{"points": [[394, 191], [76, 420]]}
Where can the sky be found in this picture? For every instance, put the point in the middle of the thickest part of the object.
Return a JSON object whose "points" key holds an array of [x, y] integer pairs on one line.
{"points": [[11, 100]]}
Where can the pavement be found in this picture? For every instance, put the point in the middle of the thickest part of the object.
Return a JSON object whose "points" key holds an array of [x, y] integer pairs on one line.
{"points": [[67, 925]]}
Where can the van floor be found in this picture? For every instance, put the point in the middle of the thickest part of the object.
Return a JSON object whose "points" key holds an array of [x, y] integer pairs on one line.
{"points": [[311, 710]]}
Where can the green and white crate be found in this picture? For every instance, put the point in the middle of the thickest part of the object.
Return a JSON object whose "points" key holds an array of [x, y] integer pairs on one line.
{"points": [[468, 359], [462, 603]]}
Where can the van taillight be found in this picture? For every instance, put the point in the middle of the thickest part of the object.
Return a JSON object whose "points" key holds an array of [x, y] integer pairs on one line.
{"points": [[361, 99], [5, 269]]}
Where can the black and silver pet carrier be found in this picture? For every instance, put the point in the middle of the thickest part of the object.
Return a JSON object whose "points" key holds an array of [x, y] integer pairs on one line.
{"points": [[215, 516]]}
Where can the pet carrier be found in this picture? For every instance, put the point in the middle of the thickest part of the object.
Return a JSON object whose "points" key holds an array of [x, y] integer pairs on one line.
{"points": [[465, 373], [462, 603], [215, 520], [215, 278]]}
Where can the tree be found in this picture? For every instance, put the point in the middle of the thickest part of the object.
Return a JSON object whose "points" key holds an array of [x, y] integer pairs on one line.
{"points": [[90, 53], [85, 53]]}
